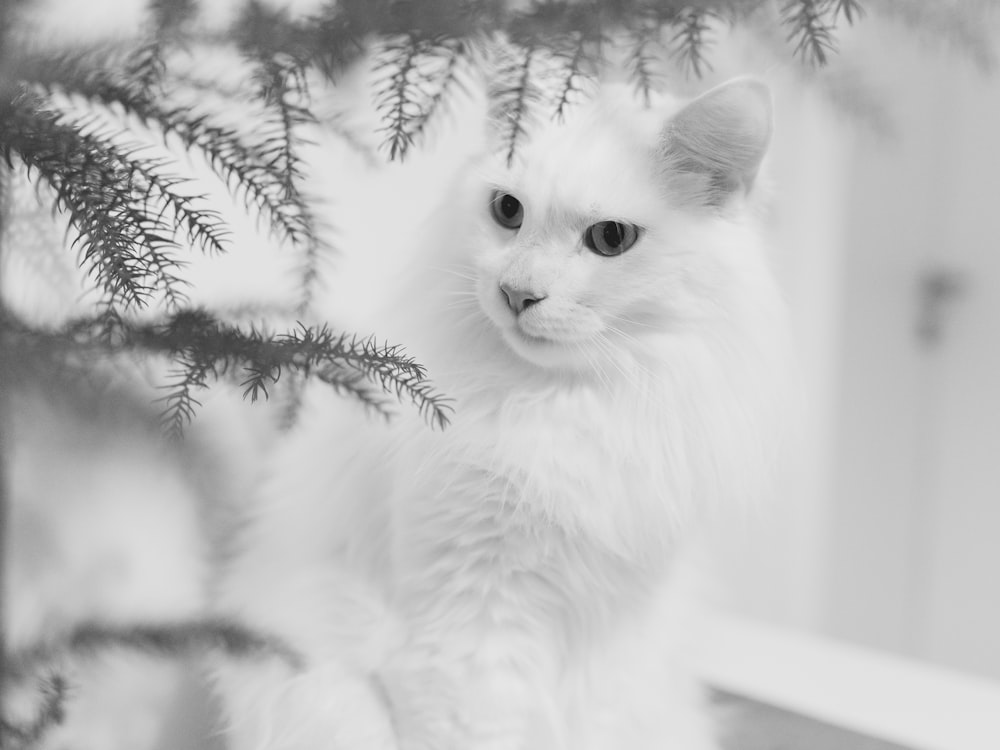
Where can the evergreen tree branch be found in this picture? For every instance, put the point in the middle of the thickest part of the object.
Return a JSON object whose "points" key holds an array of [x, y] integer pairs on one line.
{"points": [[418, 74], [641, 60], [690, 41], [575, 58], [127, 247], [512, 95], [396, 99], [851, 10], [442, 85], [204, 349], [54, 689], [171, 640], [249, 170], [811, 27], [283, 87]]}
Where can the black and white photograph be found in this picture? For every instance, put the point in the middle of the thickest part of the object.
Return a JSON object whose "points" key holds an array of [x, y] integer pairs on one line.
{"points": [[499, 375]]}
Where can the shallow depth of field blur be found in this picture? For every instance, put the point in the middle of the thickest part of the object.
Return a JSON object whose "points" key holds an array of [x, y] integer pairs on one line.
{"points": [[884, 523]]}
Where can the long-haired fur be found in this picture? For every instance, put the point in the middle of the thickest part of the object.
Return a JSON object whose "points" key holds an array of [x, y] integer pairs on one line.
{"points": [[508, 582]]}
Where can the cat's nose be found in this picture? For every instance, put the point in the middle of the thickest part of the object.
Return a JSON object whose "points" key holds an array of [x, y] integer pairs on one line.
{"points": [[518, 300]]}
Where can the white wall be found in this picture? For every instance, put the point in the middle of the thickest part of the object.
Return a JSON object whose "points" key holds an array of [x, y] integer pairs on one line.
{"points": [[886, 525]]}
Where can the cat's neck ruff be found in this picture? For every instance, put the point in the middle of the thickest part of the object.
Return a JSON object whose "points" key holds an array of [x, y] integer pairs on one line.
{"points": [[595, 453], [660, 395]]}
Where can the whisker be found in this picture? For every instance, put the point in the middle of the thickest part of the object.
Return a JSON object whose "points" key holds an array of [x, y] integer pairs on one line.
{"points": [[610, 351], [632, 321], [595, 365], [627, 336], [461, 272], [592, 368], [632, 340], [461, 303]]}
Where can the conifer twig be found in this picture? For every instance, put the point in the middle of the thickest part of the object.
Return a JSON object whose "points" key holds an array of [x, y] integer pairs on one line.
{"points": [[204, 349], [128, 248], [284, 89], [812, 28], [690, 41], [571, 74], [161, 639], [512, 95], [54, 689], [640, 63], [418, 74]]}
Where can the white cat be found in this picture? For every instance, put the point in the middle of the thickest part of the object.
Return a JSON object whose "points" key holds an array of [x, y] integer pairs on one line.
{"points": [[602, 315]]}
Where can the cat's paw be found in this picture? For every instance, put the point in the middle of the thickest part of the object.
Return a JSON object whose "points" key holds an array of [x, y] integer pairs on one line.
{"points": [[436, 710], [327, 708]]}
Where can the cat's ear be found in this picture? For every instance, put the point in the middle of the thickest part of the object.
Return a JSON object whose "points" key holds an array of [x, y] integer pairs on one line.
{"points": [[718, 140]]}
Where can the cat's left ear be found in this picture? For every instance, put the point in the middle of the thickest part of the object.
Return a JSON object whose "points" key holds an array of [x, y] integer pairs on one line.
{"points": [[720, 138]]}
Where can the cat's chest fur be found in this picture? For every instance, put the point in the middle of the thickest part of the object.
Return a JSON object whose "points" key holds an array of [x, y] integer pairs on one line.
{"points": [[545, 508]]}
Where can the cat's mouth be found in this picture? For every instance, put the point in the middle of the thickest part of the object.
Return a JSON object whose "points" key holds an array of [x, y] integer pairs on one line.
{"points": [[535, 334], [557, 350], [532, 338], [540, 350]]}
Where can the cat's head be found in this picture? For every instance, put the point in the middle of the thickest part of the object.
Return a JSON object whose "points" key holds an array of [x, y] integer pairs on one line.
{"points": [[622, 223]]}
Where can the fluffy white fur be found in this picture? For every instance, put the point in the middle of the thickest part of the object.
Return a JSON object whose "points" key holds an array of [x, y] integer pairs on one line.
{"points": [[506, 584]]}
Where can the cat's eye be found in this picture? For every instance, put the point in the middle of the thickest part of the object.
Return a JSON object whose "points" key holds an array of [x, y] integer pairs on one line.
{"points": [[610, 237], [507, 210]]}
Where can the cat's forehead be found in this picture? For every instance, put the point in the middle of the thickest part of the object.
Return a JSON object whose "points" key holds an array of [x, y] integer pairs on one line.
{"points": [[599, 160]]}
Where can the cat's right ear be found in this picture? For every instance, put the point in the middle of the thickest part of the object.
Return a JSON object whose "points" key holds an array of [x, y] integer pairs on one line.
{"points": [[712, 148]]}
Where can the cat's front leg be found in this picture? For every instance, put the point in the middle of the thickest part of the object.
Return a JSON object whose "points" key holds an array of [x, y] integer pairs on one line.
{"points": [[320, 707], [446, 701]]}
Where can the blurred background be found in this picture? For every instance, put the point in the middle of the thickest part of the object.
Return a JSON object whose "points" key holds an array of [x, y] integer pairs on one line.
{"points": [[887, 179], [884, 528]]}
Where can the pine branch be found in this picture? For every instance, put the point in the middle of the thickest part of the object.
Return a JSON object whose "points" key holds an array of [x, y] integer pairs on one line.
{"points": [[179, 404], [127, 248], [690, 41], [641, 61], [849, 9], [247, 169], [180, 639], [170, 640], [154, 190], [512, 95], [147, 67], [812, 27], [205, 349], [350, 365], [203, 226], [442, 85], [337, 359], [396, 99], [283, 87], [284, 91], [265, 175], [54, 690], [575, 58], [418, 75]]}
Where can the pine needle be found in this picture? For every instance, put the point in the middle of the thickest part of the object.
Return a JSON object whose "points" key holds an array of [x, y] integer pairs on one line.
{"points": [[811, 27], [690, 42]]}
